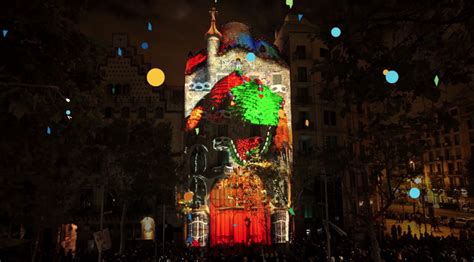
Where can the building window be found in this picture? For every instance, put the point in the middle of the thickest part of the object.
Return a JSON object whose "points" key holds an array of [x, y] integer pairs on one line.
{"points": [[451, 167], [303, 117], [329, 118], [308, 211], [142, 112], [126, 89], [277, 79], [324, 52], [459, 166], [159, 112], [108, 112], [302, 74], [125, 112], [458, 153], [111, 89], [447, 141], [454, 112], [471, 137], [330, 141], [300, 52], [305, 144]]}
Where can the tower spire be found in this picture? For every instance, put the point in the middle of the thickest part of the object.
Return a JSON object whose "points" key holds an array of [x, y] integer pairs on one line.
{"points": [[213, 29]]}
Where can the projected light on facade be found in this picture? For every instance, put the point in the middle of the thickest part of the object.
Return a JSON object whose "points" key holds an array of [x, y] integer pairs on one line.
{"points": [[242, 110]]}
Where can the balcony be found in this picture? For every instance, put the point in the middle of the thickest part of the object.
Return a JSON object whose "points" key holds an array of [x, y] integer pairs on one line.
{"points": [[304, 100]]}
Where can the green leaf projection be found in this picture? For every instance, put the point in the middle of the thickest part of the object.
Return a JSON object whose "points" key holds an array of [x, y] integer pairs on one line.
{"points": [[256, 104]]}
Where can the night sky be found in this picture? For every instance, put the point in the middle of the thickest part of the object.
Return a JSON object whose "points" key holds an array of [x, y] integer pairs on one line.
{"points": [[179, 25]]}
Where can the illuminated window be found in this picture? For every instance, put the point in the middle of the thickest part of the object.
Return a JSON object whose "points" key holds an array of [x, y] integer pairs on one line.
{"points": [[69, 238]]}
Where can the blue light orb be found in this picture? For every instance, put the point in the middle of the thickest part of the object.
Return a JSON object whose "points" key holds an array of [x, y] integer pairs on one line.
{"points": [[251, 57], [68, 112], [392, 77], [414, 193], [144, 45], [336, 31]]}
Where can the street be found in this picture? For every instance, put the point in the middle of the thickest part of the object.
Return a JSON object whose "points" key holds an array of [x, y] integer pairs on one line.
{"points": [[437, 211]]}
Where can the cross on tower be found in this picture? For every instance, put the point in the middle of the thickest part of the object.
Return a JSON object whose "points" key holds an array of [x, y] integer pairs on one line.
{"points": [[213, 12]]}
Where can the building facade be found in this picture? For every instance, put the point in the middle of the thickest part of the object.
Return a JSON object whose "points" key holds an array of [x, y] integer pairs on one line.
{"points": [[236, 181], [317, 125], [448, 152]]}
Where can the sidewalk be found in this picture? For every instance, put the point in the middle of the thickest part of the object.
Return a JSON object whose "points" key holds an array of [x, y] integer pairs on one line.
{"points": [[445, 231]]}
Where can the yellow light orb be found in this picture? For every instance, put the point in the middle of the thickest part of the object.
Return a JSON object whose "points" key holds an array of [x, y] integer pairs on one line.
{"points": [[385, 72], [155, 77]]}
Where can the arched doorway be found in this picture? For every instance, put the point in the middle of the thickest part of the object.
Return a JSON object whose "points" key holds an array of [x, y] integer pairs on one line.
{"points": [[239, 211], [69, 238], [148, 228]]}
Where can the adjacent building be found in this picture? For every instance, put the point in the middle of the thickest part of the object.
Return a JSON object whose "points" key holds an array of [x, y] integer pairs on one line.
{"points": [[317, 125]]}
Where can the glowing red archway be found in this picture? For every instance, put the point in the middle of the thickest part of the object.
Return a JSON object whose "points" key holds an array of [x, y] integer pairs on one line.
{"points": [[239, 211]]}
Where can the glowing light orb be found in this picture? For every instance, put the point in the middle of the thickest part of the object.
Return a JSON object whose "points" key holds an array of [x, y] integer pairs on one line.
{"points": [[155, 77], [385, 72], [5, 32], [414, 193], [251, 57], [300, 16], [417, 180], [48, 130], [119, 51], [392, 77], [336, 31], [289, 3], [68, 112], [149, 27], [144, 45], [188, 196], [68, 100], [436, 80]]}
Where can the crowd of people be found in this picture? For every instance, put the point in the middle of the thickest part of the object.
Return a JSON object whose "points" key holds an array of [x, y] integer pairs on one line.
{"points": [[400, 246]]}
